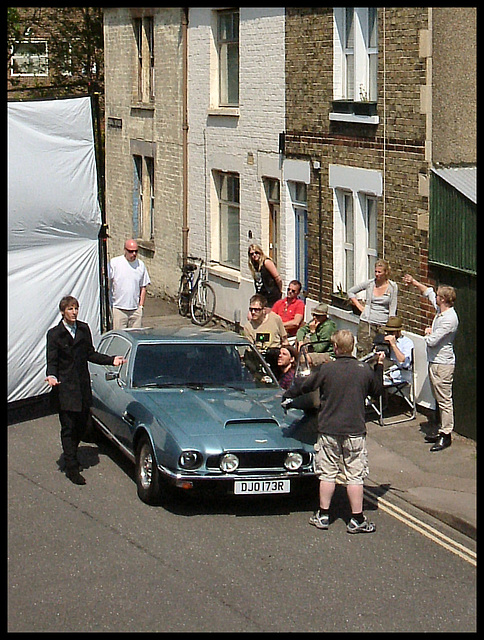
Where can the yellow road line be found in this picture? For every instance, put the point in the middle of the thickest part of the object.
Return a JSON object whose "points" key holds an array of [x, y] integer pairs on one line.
{"points": [[433, 534]]}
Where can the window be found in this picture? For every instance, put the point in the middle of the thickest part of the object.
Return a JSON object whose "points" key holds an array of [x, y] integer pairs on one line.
{"points": [[355, 49], [144, 35], [348, 220], [272, 189], [369, 205], [228, 57], [349, 53], [143, 197], [118, 346], [30, 59], [229, 217], [355, 220], [298, 193], [356, 215]]}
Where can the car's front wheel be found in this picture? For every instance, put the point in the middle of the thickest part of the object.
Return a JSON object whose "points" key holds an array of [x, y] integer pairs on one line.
{"points": [[147, 474]]}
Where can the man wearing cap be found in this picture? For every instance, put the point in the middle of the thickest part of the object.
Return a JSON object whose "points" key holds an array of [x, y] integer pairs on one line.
{"points": [[400, 353], [318, 331]]}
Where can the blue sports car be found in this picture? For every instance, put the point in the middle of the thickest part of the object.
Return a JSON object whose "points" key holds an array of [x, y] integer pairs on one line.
{"points": [[196, 408]]}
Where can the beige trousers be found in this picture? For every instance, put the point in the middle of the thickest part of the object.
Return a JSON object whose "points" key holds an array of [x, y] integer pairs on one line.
{"points": [[127, 318], [441, 377]]}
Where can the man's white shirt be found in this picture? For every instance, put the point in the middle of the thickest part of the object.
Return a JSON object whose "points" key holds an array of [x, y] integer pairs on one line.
{"points": [[126, 279]]}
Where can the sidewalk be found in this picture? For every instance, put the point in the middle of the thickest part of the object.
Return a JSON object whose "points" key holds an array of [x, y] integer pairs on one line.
{"points": [[440, 483]]}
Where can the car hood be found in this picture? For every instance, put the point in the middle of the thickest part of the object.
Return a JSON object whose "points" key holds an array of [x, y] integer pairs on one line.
{"points": [[225, 414]]}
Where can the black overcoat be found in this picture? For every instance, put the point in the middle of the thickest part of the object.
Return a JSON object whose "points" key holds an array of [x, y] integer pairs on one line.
{"points": [[67, 359]]}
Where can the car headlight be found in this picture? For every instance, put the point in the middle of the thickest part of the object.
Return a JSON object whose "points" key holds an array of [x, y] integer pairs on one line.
{"points": [[229, 463], [293, 461], [190, 459]]}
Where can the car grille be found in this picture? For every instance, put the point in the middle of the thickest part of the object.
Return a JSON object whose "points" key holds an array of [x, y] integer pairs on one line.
{"points": [[255, 460]]}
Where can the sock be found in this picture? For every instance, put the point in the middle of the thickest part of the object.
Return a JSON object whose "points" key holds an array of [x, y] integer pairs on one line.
{"points": [[359, 517], [323, 512]]}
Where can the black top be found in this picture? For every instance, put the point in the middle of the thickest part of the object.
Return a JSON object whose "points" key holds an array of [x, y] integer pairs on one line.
{"points": [[267, 286]]}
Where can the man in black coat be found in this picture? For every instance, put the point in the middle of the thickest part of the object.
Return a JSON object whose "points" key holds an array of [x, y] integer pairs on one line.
{"points": [[69, 348]]}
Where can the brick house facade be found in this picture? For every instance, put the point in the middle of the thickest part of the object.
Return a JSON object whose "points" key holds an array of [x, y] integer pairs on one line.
{"points": [[395, 147], [144, 156], [380, 150], [334, 138]]}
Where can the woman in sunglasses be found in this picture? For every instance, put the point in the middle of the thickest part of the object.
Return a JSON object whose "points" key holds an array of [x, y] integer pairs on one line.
{"points": [[267, 280]]}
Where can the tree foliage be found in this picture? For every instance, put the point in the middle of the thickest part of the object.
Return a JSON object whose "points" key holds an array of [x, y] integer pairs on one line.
{"points": [[75, 45]]}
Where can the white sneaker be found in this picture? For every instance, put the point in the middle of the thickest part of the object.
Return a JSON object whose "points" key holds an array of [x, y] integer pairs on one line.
{"points": [[365, 527], [319, 520]]}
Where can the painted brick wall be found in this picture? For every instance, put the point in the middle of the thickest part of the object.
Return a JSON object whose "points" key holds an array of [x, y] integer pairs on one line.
{"points": [[246, 144], [159, 123]]}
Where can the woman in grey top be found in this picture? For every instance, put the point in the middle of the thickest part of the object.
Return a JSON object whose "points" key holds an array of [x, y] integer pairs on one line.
{"points": [[380, 304]]}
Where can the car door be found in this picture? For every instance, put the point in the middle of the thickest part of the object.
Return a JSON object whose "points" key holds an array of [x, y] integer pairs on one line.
{"points": [[111, 391]]}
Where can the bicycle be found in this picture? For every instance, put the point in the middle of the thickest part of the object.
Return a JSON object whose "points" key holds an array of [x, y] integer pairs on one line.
{"points": [[195, 294]]}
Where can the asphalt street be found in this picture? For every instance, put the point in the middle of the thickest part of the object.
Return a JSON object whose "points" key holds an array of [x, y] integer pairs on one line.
{"points": [[95, 558]]}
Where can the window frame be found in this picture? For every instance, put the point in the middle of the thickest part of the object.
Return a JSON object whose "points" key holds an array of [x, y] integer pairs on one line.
{"points": [[226, 80], [229, 241], [45, 56], [355, 65], [143, 218], [364, 187], [144, 35]]}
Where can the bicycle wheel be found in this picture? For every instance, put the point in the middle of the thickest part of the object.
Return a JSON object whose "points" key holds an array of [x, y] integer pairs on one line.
{"points": [[202, 304], [184, 296]]}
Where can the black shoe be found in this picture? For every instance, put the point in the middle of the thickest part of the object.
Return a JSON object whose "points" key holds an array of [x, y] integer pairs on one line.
{"points": [[432, 437], [75, 477], [444, 441]]}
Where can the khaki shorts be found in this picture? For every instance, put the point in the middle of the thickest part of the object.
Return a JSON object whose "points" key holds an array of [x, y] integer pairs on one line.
{"points": [[346, 453]]}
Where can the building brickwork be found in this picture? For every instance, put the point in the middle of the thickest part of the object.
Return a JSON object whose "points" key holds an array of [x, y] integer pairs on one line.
{"points": [[149, 129], [396, 146]]}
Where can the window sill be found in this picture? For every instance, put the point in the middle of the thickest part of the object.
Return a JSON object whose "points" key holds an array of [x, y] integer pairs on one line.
{"points": [[353, 111], [351, 117], [226, 273], [146, 245], [231, 112], [142, 107]]}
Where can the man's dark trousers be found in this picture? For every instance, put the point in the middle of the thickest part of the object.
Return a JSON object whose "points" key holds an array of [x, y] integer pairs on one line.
{"points": [[73, 429]]}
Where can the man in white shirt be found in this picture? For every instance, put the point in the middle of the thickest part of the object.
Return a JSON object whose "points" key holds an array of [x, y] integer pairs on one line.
{"points": [[400, 353], [439, 339], [128, 279]]}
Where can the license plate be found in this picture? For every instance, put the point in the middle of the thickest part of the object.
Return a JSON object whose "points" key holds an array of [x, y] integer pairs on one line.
{"points": [[246, 487]]}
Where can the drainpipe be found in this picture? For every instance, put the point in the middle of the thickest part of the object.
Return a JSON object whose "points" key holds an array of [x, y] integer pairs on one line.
{"points": [[185, 229]]}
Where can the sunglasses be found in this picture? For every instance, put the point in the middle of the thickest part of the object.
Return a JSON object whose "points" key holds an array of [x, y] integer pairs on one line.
{"points": [[292, 290], [132, 250], [254, 253], [254, 309]]}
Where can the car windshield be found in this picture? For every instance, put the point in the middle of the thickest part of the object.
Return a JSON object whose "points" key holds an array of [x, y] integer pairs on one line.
{"points": [[200, 365]]}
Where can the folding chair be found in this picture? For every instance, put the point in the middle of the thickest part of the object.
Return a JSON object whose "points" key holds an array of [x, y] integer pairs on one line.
{"points": [[397, 389]]}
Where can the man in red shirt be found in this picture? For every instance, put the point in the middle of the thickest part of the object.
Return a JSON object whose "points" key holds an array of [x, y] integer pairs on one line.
{"points": [[291, 308]]}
